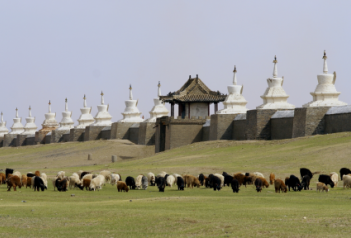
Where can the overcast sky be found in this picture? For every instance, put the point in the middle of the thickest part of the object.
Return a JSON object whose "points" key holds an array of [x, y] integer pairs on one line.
{"points": [[50, 50]]}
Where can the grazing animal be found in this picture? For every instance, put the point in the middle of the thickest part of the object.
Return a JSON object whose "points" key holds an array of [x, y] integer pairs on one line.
{"points": [[83, 174], [294, 183], [122, 186], [29, 182], [249, 179], [170, 180], [37, 173], [221, 177], [201, 179], [144, 182], [258, 184], [304, 171], [18, 174], [347, 181], [228, 180], [161, 184], [162, 174], [208, 181], [38, 183], [240, 177], [264, 182], [23, 180], [8, 171], [130, 182], [61, 184], [323, 178], [2, 178], [13, 181], [224, 173], [97, 182], [216, 183], [30, 174], [191, 181], [271, 178], [73, 180], [107, 175], [279, 185], [87, 176], [114, 179], [84, 184], [61, 174], [322, 187], [258, 174], [343, 171], [45, 179], [138, 181], [335, 178], [235, 185], [180, 183], [306, 182], [151, 178]]}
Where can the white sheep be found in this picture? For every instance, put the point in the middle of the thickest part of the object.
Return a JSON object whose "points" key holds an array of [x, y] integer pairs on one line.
{"points": [[151, 178], [106, 174], [221, 177], [258, 174], [162, 174], [347, 181], [73, 180], [177, 175], [335, 178], [97, 182], [138, 179], [170, 180], [61, 174], [44, 177], [114, 179]]}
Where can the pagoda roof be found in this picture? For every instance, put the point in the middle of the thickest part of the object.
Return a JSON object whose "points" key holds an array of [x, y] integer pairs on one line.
{"points": [[194, 90]]}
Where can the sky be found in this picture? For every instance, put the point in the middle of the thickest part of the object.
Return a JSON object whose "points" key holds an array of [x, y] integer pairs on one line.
{"points": [[52, 50]]}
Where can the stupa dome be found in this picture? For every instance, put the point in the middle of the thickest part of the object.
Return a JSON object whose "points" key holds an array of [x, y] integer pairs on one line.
{"points": [[30, 127], [325, 94], [103, 117], [3, 128], [234, 102], [50, 121], [17, 127], [66, 122], [275, 97], [159, 109], [85, 118], [131, 112]]}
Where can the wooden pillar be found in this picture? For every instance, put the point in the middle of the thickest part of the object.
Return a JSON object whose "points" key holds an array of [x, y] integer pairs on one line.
{"points": [[172, 109], [189, 109], [215, 107], [208, 109]]}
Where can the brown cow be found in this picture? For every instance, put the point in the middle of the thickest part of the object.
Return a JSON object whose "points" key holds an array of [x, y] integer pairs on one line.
{"points": [[29, 182], [280, 185], [241, 178], [122, 186], [37, 173], [2, 178], [271, 178], [191, 181], [24, 180], [13, 181]]}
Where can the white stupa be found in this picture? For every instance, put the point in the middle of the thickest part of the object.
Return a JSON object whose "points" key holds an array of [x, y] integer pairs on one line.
{"points": [[103, 117], [17, 127], [66, 122], [159, 110], [325, 94], [3, 128], [85, 118], [275, 97], [131, 113], [50, 122], [30, 127], [235, 102]]}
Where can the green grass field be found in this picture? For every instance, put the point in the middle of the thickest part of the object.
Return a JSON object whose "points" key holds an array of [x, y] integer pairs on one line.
{"points": [[197, 212]]}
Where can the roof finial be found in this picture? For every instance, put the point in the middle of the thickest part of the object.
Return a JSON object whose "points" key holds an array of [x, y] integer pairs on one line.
{"points": [[275, 69], [130, 92], [16, 112], [85, 101], [102, 98], [197, 76], [2, 117], [159, 89], [234, 77], [189, 76], [49, 106], [325, 66], [66, 106], [30, 112]]}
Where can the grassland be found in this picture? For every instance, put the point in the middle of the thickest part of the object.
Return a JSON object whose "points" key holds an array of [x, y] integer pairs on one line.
{"points": [[197, 212]]}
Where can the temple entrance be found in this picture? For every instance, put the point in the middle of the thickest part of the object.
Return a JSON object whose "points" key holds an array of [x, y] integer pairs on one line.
{"points": [[181, 110], [162, 136]]}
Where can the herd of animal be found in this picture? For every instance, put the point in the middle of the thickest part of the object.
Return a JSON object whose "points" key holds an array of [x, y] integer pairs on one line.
{"points": [[92, 182]]}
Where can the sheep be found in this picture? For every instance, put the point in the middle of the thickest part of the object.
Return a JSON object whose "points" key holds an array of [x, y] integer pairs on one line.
{"points": [[322, 187], [258, 184], [24, 180], [37, 173], [87, 176], [80, 172], [38, 183], [162, 174], [122, 186], [13, 181], [97, 182], [240, 177], [335, 178], [107, 175], [144, 182], [347, 181], [18, 174], [114, 179], [138, 179], [45, 179], [170, 180], [85, 183], [221, 177], [271, 178], [73, 180], [191, 181], [61, 184], [29, 182], [258, 174], [151, 178], [280, 186]]}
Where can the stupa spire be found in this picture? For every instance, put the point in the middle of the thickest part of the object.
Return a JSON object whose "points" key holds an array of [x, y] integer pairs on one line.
{"points": [[2, 117], [234, 76], [85, 101], [159, 89], [130, 93], [325, 66], [30, 112], [49, 106], [66, 106], [275, 69], [102, 98], [16, 112]]}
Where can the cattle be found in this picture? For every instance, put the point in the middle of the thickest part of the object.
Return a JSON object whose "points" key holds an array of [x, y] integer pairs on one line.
{"points": [[13, 181], [271, 178], [61, 184], [201, 179], [294, 183], [144, 182], [240, 177], [24, 180], [180, 183], [161, 184], [335, 178], [138, 181], [191, 181], [38, 183], [228, 180], [323, 178], [122, 186], [221, 177], [235, 185], [8, 171], [279, 186], [322, 187], [258, 184], [97, 182], [130, 182], [170, 180], [29, 182], [2, 178], [258, 174], [347, 181], [151, 179], [306, 182], [343, 171], [216, 183]]}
